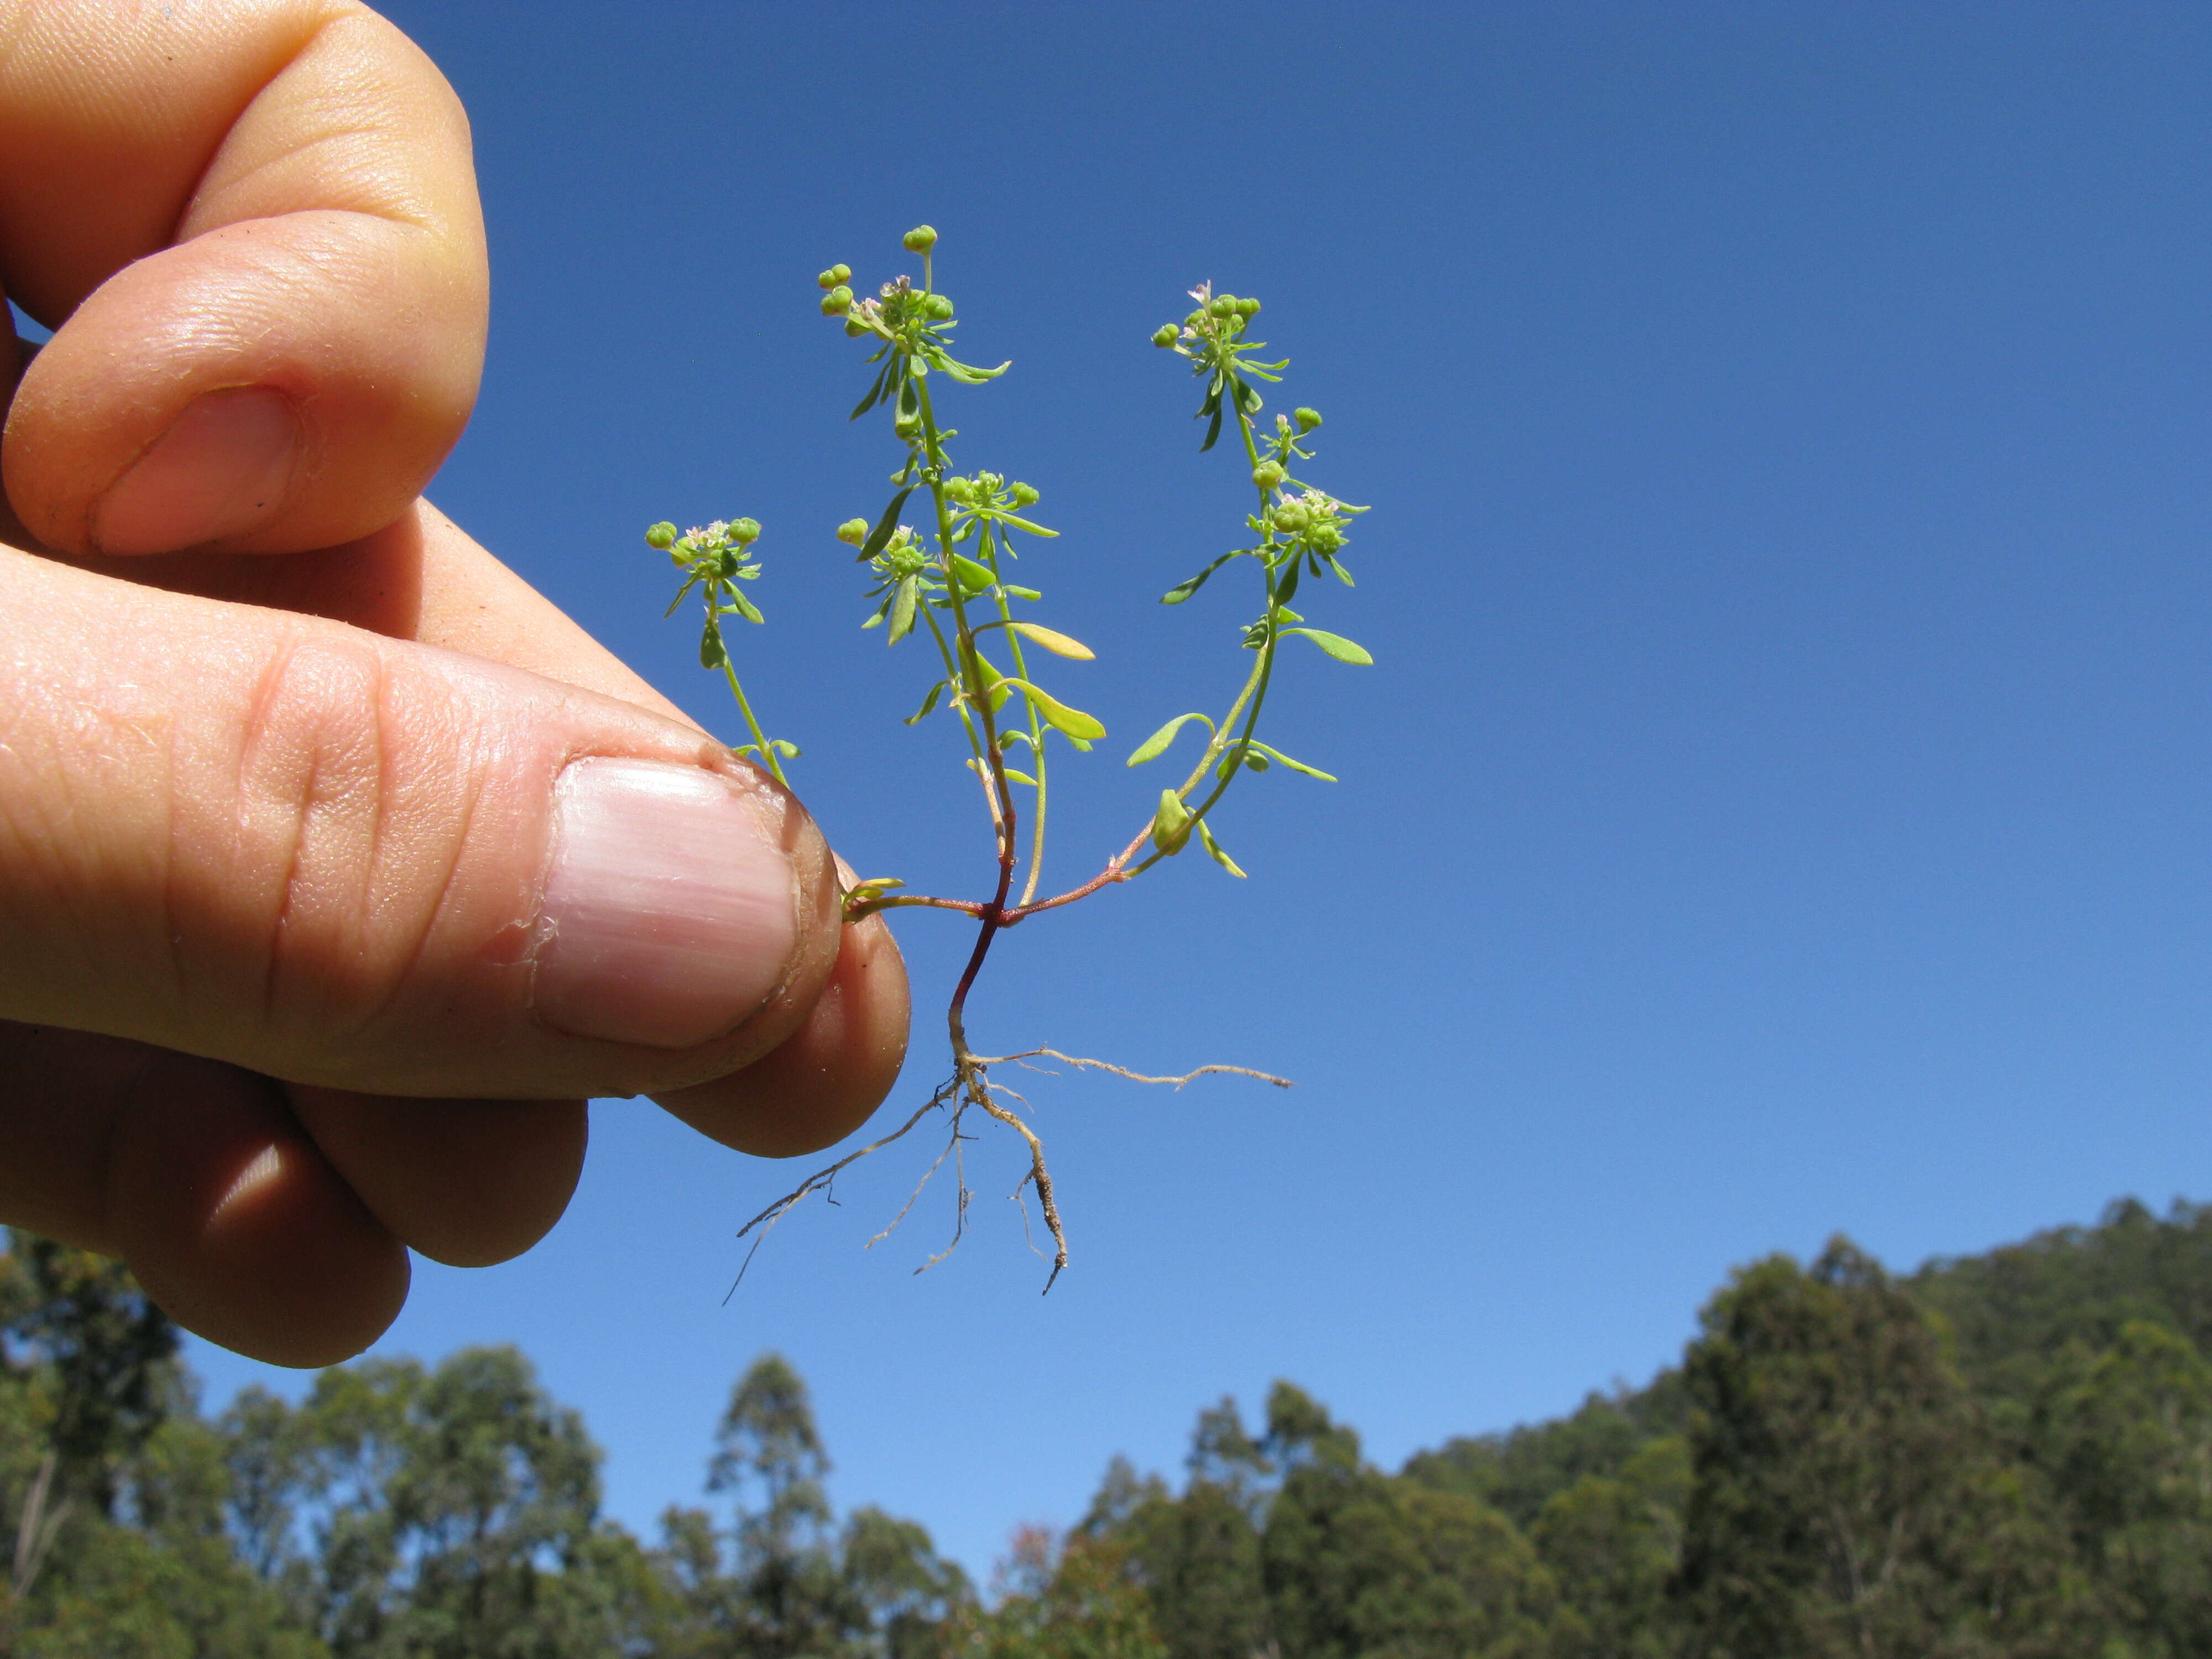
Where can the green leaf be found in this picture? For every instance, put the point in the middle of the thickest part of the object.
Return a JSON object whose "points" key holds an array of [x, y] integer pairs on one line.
{"points": [[966, 374], [1214, 848], [1213, 427], [973, 578], [928, 702], [712, 652], [881, 535], [1058, 643], [875, 392], [1156, 745], [1023, 524], [785, 747], [682, 594], [1170, 823], [902, 609], [1281, 759], [1337, 646], [1183, 590], [1018, 777], [1071, 722], [1021, 593], [744, 606], [1289, 585]]}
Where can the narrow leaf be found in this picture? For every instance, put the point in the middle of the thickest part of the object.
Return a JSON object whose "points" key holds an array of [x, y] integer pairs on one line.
{"points": [[1018, 777], [1213, 427], [712, 654], [1058, 644], [875, 394], [1023, 524], [928, 702], [1156, 745], [973, 578], [902, 609], [1214, 848], [1337, 646], [1073, 722], [745, 607], [1183, 590], [881, 535], [1281, 759]]}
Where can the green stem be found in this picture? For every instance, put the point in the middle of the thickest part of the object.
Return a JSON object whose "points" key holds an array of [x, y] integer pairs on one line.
{"points": [[768, 754]]}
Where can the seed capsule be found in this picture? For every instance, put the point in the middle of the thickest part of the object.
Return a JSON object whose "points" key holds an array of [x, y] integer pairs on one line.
{"points": [[1268, 474], [1308, 419], [919, 239], [1165, 335], [838, 302], [661, 536], [745, 530], [853, 531], [1248, 307], [938, 307], [1023, 496]]}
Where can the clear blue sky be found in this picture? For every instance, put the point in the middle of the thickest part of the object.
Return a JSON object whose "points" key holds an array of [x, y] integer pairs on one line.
{"points": [[1782, 802]]}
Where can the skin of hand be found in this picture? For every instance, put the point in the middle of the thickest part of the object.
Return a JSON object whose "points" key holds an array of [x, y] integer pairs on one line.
{"points": [[337, 867]]}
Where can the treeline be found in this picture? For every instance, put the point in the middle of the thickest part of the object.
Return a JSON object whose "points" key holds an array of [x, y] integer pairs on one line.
{"points": [[2007, 1455]]}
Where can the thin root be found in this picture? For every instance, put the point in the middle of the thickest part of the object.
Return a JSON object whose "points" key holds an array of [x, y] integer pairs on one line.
{"points": [[1123, 1071], [970, 1085]]}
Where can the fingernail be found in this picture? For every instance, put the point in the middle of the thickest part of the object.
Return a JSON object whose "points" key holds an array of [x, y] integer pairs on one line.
{"points": [[670, 913], [224, 467]]}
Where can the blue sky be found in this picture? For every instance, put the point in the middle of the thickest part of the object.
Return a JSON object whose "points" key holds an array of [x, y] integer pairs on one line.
{"points": [[1780, 804]]}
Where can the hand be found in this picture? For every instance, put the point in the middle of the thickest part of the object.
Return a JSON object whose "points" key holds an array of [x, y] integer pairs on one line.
{"points": [[337, 868]]}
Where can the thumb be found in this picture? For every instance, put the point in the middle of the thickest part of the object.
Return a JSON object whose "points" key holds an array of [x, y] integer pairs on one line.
{"points": [[337, 859]]}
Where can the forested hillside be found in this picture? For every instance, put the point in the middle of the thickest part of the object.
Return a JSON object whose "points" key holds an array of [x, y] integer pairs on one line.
{"points": [[2007, 1455]]}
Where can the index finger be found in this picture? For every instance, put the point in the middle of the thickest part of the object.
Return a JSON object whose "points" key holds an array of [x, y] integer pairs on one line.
{"points": [[253, 226]]}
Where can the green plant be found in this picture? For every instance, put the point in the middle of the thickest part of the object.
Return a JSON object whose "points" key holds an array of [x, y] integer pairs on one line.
{"points": [[946, 582]]}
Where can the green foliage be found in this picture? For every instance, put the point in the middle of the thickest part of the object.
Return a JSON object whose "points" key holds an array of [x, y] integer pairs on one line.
{"points": [[1831, 1472]]}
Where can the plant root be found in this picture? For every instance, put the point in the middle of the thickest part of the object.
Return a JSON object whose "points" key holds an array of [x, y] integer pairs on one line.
{"points": [[970, 1087]]}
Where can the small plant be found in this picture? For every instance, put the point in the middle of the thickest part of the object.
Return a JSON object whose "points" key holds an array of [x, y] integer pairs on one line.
{"points": [[946, 582]]}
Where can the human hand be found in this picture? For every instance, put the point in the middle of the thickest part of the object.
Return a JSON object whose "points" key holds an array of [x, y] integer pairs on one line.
{"points": [[337, 868]]}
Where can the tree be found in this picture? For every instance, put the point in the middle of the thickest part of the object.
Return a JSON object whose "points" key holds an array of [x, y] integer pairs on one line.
{"points": [[1845, 1487], [1068, 1599], [2130, 1442], [1613, 1545], [1361, 1565]]}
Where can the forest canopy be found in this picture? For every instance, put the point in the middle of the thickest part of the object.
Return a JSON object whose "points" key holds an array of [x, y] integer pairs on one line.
{"points": [[2007, 1455]]}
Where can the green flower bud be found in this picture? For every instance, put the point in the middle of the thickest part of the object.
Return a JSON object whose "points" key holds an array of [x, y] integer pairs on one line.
{"points": [[1166, 334], [838, 302], [1325, 538], [1248, 307], [1268, 474], [919, 239], [1308, 419], [853, 532], [745, 530], [960, 490], [1225, 305], [906, 425], [1025, 496], [828, 279], [661, 536], [937, 307]]}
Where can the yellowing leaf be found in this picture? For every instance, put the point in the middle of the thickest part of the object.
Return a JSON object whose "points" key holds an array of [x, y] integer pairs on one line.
{"points": [[1058, 643]]}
